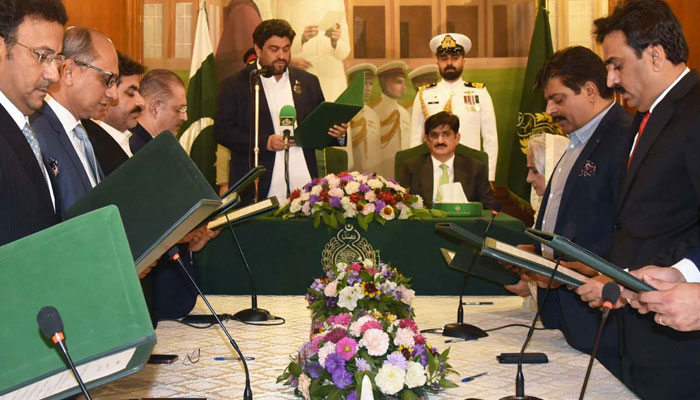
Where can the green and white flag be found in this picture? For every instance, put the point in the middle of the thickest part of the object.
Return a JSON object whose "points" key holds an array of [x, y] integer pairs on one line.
{"points": [[532, 118], [197, 134]]}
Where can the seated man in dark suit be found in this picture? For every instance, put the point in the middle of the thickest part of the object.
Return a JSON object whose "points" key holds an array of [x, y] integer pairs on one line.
{"points": [[110, 136], [424, 173]]}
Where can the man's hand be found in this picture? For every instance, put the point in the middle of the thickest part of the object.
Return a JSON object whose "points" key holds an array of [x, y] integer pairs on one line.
{"points": [[592, 292], [148, 269], [664, 274], [677, 305], [310, 31], [522, 288], [300, 63], [201, 238], [334, 34], [338, 131], [276, 142]]}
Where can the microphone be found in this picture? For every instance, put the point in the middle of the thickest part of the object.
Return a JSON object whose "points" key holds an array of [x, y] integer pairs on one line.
{"points": [[263, 71], [569, 232], [174, 255], [460, 329], [611, 292], [288, 115], [51, 327]]}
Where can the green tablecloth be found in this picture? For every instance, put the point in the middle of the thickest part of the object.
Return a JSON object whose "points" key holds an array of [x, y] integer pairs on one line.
{"points": [[285, 256]]}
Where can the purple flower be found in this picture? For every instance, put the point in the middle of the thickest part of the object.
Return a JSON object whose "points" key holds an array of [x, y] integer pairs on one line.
{"points": [[341, 378], [378, 205], [314, 370], [392, 181], [351, 396], [323, 181], [398, 360], [362, 365], [346, 178], [333, 362], [308, 186], [313, 199], [331, 302], [420, 354], [334, 202], [364, 188]]}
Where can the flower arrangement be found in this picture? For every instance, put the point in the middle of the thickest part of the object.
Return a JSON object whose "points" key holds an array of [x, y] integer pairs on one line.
{"points": [[363, 327], [367, 197]]}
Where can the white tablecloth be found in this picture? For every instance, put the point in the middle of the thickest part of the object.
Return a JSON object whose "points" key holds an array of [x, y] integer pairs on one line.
{"points": [[271, 347]]}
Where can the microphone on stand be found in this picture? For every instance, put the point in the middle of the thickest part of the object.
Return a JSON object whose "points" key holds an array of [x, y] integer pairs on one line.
{"points": [[254, 83], [460, 329], [51, 327], [569, 232], [288, 116], [611, 292], [174, 255]]}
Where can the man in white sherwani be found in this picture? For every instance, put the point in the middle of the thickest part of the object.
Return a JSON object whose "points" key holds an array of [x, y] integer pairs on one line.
{"points": [[364, 128]]}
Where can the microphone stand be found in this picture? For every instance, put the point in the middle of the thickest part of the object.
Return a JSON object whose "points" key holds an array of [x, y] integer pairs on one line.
{"points": [[175, 256], [256, 149], [286, 160]]}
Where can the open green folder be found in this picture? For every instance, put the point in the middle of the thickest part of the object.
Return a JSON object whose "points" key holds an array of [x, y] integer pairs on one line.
{"points": [[161, 195], [578, 253], [312, 132], [84, 268]]}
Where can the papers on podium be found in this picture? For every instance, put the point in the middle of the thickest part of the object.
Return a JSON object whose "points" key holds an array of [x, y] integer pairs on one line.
{"points": [[85, 269], [245, 213]]}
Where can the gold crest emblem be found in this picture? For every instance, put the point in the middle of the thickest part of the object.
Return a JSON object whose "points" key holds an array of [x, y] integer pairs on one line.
{"points": [[347, 246], [530, 124], [297, 87], [448, 42]]}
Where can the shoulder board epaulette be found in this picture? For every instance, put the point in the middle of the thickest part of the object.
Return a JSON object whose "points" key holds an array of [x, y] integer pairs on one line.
{"points": [[477, 85], [375, 102], [427, 85]]}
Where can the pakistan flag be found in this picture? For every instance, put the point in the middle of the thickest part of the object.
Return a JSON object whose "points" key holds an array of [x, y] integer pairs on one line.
{"points": [[197, 134], [532, 119]]}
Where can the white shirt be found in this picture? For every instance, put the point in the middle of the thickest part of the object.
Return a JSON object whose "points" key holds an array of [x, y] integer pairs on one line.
{"points": [[437, 173], [122, 138], [279, 94], [21, 120], [69, 123]]}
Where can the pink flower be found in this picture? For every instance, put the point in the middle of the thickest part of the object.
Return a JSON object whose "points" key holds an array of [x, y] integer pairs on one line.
{"points": [[408, 323], [346, 347], [343, 319], [376, 341], [370, 325], [371, 270], [355, 267], [315, 341]]}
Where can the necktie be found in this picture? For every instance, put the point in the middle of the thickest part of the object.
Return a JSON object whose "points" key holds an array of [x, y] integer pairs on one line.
{"points": [[33, 143], [642, 125], [87, 150], [444, 178]]}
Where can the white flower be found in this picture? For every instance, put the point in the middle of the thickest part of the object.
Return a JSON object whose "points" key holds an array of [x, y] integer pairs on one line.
{"points": [[415, 375], [341, 266], [352, 187], [368, 263], [330, 289], [284, 203], [404, 337], [304, 196], [350, 212], [316, 190], [371, 196], [368, 209], [390, 379], [405, 212], [304, 384], [347, 298], [388, 286], [333, 181], [306, 209], [324, 352], [336, 192], [388, 213], [406, 294], [376, 341], [356, 326], [375, 183], [295, 206], [418, 203]]}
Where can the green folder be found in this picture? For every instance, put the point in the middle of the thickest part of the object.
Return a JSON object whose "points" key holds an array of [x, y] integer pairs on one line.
{"points": [[312, 132], [578, 253], [161, 195], [84, 268]]}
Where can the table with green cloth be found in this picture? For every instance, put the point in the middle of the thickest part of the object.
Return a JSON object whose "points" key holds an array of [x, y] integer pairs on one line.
{"points": [[285, 255]]}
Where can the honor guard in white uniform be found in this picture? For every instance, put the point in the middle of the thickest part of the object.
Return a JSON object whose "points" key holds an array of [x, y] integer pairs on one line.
{"points": [[394, 120], [424, 75], [470, 101], [363, 133]]}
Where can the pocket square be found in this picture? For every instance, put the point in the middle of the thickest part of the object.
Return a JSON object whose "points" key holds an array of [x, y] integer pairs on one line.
{"points": [[588, 169]]}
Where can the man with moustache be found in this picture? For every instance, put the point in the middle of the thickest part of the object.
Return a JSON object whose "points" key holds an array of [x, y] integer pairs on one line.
{"points": [[165, 108], [31, 41], [234, 122], [470, 101], [85, 88], [657, 207], [110, 136]]}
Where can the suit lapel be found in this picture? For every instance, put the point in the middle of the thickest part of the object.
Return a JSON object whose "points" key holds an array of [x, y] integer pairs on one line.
{"points": [[298, 100], [460, 171], [67, 146], [426, 178]]}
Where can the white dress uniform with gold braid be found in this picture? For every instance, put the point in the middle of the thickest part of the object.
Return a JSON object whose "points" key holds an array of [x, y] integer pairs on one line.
{"points": [[363, 130], [422, 76], [394, 121], [470, 101]]}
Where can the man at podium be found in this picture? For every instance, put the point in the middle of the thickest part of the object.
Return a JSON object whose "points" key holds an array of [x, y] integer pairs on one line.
{"points": [[234, 126], [32, 40]]}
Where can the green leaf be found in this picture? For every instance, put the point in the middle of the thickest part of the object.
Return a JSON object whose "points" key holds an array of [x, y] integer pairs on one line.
{"points": [[333, 221], [447, 384], [323, 390], [340, 218], [336, 394], [283, 377], [295, 369], [363, 221], [407, 394], [317, 221], [380, 219]]}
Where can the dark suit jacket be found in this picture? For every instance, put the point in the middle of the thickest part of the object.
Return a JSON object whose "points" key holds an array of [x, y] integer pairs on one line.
{"points": [[589, 204], [25, 201], [234, 126], [139, 138], [73, 179], [109, 153], [657, 218], [417, 175]]}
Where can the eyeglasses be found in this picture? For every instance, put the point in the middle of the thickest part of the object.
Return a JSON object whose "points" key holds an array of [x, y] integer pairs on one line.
{"points": [[192, 357], [45, 59], [181, 110], [112, 78]]}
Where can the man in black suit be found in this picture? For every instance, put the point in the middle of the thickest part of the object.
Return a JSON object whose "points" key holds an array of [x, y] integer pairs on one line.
{"points": [[234, 124], [165, 108], [657, 207], [31, 34], [582, 191], [110, 136], [442, 165], [86, 86]]}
